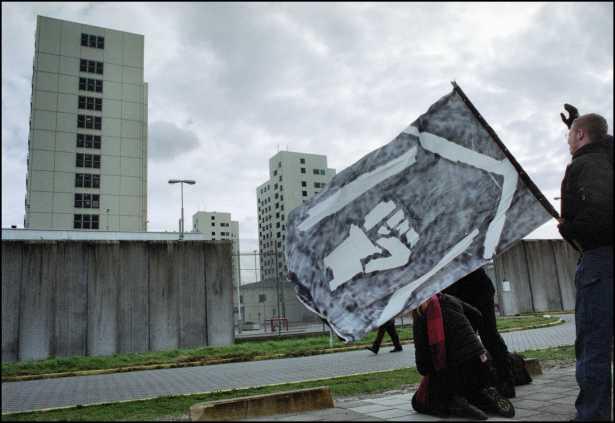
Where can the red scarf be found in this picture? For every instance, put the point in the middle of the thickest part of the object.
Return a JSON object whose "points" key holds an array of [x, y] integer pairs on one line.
{"points": [[435, 338]]}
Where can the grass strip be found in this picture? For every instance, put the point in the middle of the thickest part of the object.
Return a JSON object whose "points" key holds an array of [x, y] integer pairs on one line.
{"points": [[242, 350], [176, 406]]}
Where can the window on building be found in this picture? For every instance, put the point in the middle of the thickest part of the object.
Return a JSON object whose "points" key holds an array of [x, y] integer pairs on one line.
{"points": [[99, 86], [97, 122], [95, 181], [79, 160], [98, 104], [304, 193], [302, 170], [87, 180], [80, 140], [82, 84], [100, 42], [84, 40], [275, 172], [262, 298], [95, 201], [303, 184], [213, 234], [78, 180], [82, 102], [80, 121], [91, 66], [322, 171], [92, 41], [77, 221], [96, 162], [91, 84], [302, 161], [96, 141], [78, 201], [213, 223], [99, 68]]}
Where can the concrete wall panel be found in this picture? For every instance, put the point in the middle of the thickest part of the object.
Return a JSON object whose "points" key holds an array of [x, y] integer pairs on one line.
{"points": [[70, 298], [219, 285], [543, 274], [133, 297], [70, 316], [37, 288], [101, 261], [189, 259], [12, 255], [511, 266], [163, 297], [566, 259]]}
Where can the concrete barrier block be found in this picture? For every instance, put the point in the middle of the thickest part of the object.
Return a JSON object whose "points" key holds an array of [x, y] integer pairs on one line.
{"points": [[533, 366], [296, 401]]}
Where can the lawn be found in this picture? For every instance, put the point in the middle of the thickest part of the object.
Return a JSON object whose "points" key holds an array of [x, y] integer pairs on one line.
{"points": [[242, 350]]}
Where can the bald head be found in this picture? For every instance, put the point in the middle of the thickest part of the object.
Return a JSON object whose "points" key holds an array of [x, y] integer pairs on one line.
{"points": [[586, 129]]}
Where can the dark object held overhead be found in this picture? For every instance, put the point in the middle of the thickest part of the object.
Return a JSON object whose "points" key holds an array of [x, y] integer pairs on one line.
{"points": [[573, 113]]}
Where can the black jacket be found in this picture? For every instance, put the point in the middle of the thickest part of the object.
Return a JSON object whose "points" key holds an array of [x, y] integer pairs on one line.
{"points": [[461, 341], [587, 197], [473, 287]]}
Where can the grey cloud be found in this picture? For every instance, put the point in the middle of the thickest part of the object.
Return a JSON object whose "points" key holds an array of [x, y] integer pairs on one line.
{"points": [[167, 141]]}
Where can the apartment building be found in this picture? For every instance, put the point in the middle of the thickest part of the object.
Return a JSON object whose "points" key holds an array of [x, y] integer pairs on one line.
{"points": [[87, 142], [293, 179]]}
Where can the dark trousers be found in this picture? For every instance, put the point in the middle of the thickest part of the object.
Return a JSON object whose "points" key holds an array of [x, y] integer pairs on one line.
{"points": [[594, 333], [465, 380], [389, 327], [491, 338]]}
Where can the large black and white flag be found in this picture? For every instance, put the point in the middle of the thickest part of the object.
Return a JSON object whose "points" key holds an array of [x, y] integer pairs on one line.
{"points": [[411, 218]]}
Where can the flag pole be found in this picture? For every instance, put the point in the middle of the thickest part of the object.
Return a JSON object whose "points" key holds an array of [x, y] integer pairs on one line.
{"points": [[524, 176]]}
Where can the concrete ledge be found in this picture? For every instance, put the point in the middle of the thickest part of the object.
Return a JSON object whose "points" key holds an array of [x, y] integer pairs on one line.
{"points": [[533, 366], [296, 401]]}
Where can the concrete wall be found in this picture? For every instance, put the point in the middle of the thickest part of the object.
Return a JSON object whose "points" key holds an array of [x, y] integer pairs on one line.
{"points": [[65, 298], [540, 276]]}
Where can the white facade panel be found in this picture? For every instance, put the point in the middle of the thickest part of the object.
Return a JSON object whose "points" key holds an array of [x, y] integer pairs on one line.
{"points": [[112, 146], [113, 73], [41, 181], [68, 84], [114, 49], [112, 90], [113, 109], [130, 186], [63, 220], [66, 103], [48, 62], [131, 166], [42, 140], [63, 182], [110, 165], [69, 65], [48, 40], [66, 122], [64, 161], [46, 81], [71, 40], [111, 127], [65, 141], [41, 160], [42, 202], [63, 202]]}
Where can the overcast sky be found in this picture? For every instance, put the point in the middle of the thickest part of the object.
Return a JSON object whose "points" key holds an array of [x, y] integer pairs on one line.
{"points": [[230, 84]]}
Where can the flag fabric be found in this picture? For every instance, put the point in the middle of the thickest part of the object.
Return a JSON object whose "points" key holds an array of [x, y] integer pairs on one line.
{"points": [[410, 218]]}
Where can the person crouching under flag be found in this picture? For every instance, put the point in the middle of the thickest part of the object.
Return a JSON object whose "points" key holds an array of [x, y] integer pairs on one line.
{"points": [[455, 366]]}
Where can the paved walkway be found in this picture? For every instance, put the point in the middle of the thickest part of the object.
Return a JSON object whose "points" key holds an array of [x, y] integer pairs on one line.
{"points": [[550, 397], [62, 392]]}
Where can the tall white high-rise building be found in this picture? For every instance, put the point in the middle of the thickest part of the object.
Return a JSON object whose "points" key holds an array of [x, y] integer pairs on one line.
{"points": [[87, 143], [293, 179]]}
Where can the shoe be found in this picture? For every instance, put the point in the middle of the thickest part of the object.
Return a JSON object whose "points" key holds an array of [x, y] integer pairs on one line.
{"points": [[490, 400], [460, 407], [396, 350], [372, 349]]}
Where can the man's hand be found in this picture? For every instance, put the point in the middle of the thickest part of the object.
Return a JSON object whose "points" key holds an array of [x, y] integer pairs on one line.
{"points": [[573, 113]]}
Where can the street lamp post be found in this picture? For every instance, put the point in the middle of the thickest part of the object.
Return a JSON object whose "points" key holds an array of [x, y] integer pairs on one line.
{"points": [[182, 182]]}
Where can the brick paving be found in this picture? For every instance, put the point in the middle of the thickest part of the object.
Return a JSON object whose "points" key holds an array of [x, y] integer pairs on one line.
{"points": [[83, 390], [550, 397]]}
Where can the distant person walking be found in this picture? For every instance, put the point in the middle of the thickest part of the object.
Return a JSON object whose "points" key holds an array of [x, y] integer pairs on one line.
{"points": [[388, 327], [587, 223]]}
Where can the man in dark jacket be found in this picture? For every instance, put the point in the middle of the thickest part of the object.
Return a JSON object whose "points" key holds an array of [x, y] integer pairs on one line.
{"points": [[587, 223], [477, 290], [462, 386]]}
